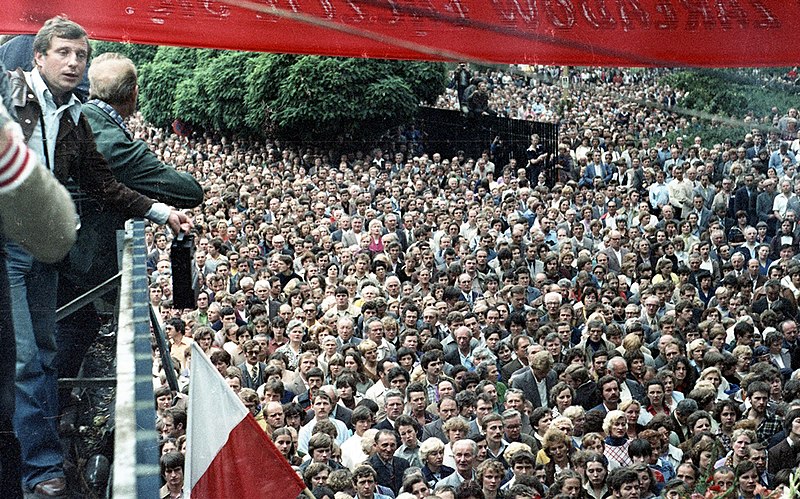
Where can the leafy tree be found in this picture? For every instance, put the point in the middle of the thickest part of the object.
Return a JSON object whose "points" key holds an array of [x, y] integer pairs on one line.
{"points": [[261, 82], [304, 97], [139, 54], [158, 82], [214, 96], [322, 96], [728, 93]]}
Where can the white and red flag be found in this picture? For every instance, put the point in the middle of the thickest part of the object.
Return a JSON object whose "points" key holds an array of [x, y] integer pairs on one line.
{"points": [[229, 455]]}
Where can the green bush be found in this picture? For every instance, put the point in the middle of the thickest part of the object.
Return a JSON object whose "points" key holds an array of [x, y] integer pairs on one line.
{"points": [[300, 97]]}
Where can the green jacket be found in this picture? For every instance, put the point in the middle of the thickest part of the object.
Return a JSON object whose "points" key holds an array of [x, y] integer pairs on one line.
{"points": [[135, 165], [93, 259]]}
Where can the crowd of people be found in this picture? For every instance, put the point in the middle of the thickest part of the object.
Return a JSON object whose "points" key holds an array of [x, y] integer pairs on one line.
{"points": [[616, 318], [400, 323]]}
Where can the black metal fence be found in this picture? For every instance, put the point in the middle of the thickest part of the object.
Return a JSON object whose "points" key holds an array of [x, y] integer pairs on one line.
{"points": [[447, 132]]}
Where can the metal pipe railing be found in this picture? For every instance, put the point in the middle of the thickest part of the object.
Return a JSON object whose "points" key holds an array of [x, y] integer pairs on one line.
{"points": [[136, 471]]}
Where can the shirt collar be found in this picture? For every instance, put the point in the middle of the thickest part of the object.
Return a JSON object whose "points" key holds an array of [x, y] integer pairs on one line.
{"points": [[109, 110], [45, 96]]}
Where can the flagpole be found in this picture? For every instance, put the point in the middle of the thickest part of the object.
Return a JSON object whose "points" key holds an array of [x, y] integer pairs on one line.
{"points": [[308, 493]]}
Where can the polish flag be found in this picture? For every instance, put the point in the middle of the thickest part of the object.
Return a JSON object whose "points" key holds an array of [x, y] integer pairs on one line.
{"points": [[229, 455]]}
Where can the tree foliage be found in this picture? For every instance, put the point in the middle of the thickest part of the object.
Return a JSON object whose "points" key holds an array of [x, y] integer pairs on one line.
{"points": [[158, 82], [303, 97], [730, 94], [139, 54]]}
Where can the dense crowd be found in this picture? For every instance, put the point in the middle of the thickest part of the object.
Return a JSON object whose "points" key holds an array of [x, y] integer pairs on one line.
{"points": [[402, 323]]}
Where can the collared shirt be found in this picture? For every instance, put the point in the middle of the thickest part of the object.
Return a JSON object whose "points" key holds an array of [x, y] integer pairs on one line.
{"points": [[499, 455], [768, 427], [541, 386], [466, 361], [304, 435], [658, 195], [433, 390], [110, 111], [178, 350], [624, 392], [51, 116], [409, 454]]}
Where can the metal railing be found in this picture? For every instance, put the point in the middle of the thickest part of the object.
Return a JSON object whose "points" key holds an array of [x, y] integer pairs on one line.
{"points": [[136, 472]]}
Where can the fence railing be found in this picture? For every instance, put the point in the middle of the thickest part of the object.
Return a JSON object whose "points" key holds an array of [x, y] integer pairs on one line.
{"points": [[136, 471]]}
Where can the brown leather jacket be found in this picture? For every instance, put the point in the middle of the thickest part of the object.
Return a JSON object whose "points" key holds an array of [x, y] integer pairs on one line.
{"points": [[76, 155]]}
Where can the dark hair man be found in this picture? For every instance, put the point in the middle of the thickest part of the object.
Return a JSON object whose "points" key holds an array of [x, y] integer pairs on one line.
{"points": [[36, 212], [61, 52]]}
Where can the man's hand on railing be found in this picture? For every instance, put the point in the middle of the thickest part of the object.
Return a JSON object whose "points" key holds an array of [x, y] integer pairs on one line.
{"points": [[179, 222]]}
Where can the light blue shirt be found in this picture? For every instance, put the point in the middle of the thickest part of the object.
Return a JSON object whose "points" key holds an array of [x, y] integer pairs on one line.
{"points": [[51, 114], [342, 434], [659, 195]]}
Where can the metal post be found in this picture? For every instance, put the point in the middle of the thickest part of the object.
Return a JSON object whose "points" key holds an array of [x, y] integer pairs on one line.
{"points": [[163, 346]]}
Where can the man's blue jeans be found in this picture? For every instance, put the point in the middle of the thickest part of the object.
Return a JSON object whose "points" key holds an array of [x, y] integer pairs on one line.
{"points": [[33, 289]]}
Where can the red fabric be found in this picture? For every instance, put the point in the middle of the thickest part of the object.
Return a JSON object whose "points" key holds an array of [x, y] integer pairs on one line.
{"points": [[573, 32], [248, 465], [17, 162]]}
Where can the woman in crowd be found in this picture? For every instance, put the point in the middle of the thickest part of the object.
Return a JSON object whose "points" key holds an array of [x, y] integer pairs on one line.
{"points": [[714, 376], [596, 471], [633, 413], [647, 483], [354, 366], [747, 479], [292, 348], [540, 421], [655, 404], [671, 396], [561, 396], [347, 391], [684, 374], [284, 441], [559, 449], [489, 475], [740, 442], [369, 353], [698, 422], [431, 453], [615, 426], [726, 413]]}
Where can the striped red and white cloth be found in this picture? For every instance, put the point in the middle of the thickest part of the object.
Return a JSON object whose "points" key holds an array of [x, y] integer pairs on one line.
{"points": [[229, 455], [16, 162]]}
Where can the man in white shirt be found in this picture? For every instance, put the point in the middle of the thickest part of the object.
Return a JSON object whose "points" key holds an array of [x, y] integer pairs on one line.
{"points": [[322, 410]]}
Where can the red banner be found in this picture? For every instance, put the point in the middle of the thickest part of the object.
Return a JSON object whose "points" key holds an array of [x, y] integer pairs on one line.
{"points": [[563, 32]]}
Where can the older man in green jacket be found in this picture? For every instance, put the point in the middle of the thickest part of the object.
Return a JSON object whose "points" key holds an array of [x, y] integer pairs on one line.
{"points": [[113, 92]]}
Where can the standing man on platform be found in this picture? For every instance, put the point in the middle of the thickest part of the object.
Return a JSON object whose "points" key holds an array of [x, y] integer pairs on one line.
{"points": [[58, 132], [537, 158], [37, 213], [113, 95]]}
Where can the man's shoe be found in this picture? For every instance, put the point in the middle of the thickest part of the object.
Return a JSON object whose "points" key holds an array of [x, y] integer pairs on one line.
{"points": [[55, 487]]}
